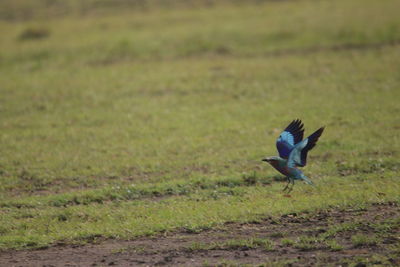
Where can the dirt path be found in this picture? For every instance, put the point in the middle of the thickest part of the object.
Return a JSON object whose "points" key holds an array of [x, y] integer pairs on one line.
{"points": [[356, 236]]}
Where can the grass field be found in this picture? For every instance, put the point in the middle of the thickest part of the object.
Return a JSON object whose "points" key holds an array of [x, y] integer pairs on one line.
{"points": [[127, 121]]}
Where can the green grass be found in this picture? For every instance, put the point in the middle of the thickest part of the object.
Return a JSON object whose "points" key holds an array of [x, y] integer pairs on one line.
{"points": [[385, 229], [306, 243], [235, 244], [360, 240], [287, 242], [333, 245], [121, 123]]}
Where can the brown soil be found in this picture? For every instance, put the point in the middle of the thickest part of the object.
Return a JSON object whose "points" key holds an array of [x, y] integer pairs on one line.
{"points": [[195, 249]]}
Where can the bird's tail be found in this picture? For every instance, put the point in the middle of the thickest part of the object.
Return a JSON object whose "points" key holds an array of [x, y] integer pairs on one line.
{"points": [[308, 181]]}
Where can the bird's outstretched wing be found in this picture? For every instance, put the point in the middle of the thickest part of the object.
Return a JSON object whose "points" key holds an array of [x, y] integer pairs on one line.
{"points": [[298, 155], [291, 136]]}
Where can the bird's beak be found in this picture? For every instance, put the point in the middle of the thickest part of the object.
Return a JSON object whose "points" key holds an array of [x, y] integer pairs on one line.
{"points": [[267, 160]]}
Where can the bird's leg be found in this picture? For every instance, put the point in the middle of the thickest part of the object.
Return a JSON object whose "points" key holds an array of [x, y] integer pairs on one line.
{"points": [[287, 186], [291, 188]]}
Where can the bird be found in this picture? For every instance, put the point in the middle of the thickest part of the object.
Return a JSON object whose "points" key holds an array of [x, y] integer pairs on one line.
{"points": [[293, 152]]}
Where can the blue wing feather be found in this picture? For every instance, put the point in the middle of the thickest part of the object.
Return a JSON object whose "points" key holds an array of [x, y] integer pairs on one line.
{"points": [[284, 149], [291, 136]]}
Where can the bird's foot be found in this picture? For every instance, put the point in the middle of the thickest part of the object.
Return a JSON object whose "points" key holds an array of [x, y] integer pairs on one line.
{"points": [[286, 187]]}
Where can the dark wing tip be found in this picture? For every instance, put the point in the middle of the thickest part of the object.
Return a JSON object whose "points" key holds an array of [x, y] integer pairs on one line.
{"points": [[295, 124], [320, 130], [296, 128], [312, 141]]}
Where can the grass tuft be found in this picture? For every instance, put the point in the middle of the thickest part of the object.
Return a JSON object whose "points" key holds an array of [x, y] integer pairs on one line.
{"points": [[360, 240]]}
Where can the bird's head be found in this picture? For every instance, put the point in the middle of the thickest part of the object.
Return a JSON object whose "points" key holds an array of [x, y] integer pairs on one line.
{"points": [[270, 160]]}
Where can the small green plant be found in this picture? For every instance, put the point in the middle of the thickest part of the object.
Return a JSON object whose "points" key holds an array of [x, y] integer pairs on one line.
{"points": [[227, 263], [360, 240], [242, 244], [196, 246], [339, 228], [333, 245], [305, 243], [287, 242], [206, 263], [263, 243]]}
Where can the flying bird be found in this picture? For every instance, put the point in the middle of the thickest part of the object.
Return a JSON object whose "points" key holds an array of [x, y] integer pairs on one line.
{"points": [[293, 152]]}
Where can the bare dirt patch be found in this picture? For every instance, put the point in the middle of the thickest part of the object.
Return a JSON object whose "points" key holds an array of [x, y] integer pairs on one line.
{"points": [[339, 237]]}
